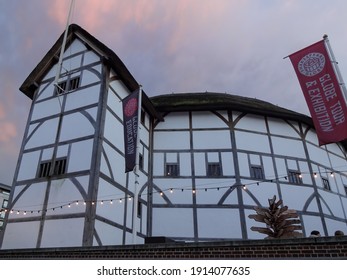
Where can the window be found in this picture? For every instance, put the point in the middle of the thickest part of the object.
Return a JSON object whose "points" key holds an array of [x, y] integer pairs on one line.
{"points": [[61, 87], [143, 117], [66, 86], [139, 209], [294, 177], [45, 168], [60, 166], [74, 83], [257, 172], [326, 184], [172, 170], [5, 203], [214, 169], [140, 161]]}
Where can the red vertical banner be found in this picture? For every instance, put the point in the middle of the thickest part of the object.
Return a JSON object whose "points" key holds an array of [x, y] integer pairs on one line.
{"points": [[130, 123], [322, 92]]}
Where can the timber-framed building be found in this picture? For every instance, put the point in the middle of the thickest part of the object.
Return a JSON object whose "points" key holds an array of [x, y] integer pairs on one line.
{"points": [[206, 159]]}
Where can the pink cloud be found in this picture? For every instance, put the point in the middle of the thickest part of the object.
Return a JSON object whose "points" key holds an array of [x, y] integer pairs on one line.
{"points": [[8, 131]]}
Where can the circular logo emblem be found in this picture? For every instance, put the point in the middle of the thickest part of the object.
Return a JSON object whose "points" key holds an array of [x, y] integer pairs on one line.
{"points": [[311, 64], [130, 107]]}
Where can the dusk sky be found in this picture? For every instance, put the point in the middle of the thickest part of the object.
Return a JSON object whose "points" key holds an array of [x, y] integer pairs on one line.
{"points": [[232, 46]]}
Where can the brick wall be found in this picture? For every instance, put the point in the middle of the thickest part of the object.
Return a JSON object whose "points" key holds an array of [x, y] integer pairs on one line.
{"points": [[322, 248]]}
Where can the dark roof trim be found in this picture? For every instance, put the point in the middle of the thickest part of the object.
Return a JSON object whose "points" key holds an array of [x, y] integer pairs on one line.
{"points": [[5, 187], [219, 101]]}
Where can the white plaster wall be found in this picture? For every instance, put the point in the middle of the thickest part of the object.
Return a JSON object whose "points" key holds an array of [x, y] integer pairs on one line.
{"points": [[252, 223], [288, 147], [311, 223], [228, 164], [112, 211], [207, 120], [28, 166], [81, 98], [252, 123], [90, 57], [216, 139], [81, 155], [210, 191], [219, 223], [75, 126], [333, 202], [318, 155], [13, 240], [44, 135], [63, 233], [63, 192], [263, 192], [243, 164], [75, 47], [114, 131], [185, 164], [171, 140], [280, 127], [199, 164], [247, 140], [108, 234], [295, 197], [179, 120], [333, 226], [158, 164], [31, 200], [177, 196], [46, 108], [173, 222]]}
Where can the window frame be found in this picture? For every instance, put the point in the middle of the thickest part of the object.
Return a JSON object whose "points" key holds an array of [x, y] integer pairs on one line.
{"points": [[294, 177], [59, 168], [68, 85], [326, 184], [214, 169], [256, 170], [172, 170]]}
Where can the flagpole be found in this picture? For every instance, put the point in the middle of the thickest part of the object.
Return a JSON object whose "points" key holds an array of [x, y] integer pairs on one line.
{"points": [[335, 67], [60, 62], [137, 167]]}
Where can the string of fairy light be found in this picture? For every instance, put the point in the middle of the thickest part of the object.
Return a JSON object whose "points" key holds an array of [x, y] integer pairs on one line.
{"points": [[167, 192]]}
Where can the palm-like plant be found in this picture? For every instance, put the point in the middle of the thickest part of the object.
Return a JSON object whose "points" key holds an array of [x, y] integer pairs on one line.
{"points": [[280, 222]]}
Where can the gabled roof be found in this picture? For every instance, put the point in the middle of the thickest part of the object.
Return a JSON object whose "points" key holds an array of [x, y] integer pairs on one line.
{"points": [[75, 31]]}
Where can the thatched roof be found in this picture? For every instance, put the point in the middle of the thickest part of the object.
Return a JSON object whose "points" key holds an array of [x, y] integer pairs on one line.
{"points": [[213, 101]]}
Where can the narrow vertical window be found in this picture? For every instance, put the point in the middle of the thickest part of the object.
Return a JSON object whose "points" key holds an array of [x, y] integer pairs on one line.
{"points": [[257, 172], [172, 170], [294, 177], [326, 184], [74, 83]]}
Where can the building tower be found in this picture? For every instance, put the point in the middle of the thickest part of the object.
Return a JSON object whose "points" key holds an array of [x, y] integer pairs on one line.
{"points": [[70, 187]]}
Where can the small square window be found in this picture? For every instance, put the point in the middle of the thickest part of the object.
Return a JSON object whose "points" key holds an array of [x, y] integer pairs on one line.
{"points": [[141, 161], [257, 172], [214, 169], [326, 184], [295, 177], [172, 170], [66, 86]]}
